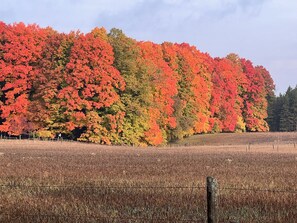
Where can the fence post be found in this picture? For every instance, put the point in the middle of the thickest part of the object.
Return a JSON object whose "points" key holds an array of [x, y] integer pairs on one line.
{"points": [[212, 200]]}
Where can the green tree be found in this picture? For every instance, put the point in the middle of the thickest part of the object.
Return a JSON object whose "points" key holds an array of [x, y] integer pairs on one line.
{"points": [[137, 96], [284, 121], [292, 119]]}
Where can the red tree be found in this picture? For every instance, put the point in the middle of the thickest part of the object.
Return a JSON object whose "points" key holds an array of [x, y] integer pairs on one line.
{"points": [[195, 70], [52, 82], [21, 48], [255, 103], [91, 85], [46, 109], [225, 111], [165, 88]]}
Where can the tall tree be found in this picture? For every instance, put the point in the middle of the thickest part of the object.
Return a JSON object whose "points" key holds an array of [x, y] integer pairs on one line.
{"points": [[194, 90], [136, 99], [91, 86], [225, 112], [164, 89], [255, 102], [21, 48], [111, 89], [284, 121], [242, 84], [283, 111], [46, 108]]}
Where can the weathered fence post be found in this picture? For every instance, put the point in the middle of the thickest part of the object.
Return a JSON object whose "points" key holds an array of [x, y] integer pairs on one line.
{"points": [[212, 200]]}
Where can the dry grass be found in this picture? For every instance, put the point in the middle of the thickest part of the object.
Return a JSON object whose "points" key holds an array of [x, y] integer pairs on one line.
{"points": [[240, 138], [126, 184]]}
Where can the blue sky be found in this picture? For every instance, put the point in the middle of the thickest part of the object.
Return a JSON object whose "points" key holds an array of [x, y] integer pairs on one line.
{"points": [[263, 31]]}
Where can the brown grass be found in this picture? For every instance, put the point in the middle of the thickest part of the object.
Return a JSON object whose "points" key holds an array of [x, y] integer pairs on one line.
{"points": [[92, 183], [240, 138]]}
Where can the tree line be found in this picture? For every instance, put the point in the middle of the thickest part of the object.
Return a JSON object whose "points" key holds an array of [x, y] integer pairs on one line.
{"points": [[111, 89], [282, 111]]}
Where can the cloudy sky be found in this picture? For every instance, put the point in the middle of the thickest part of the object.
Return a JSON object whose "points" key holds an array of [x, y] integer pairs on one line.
{"points": [[263, 31]]}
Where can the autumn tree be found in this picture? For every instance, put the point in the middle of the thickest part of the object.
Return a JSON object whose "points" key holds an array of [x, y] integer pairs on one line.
{"points": [[112, 89], [224, 109], [136, 99], [164, 83], [21, 48], [48, 111], [3, 28], [91, 87], [194, 88], [255, 102]]}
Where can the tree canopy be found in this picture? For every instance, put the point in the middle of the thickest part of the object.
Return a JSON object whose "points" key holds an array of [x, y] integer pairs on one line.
{"points": [[111, 89], [283, 111]]}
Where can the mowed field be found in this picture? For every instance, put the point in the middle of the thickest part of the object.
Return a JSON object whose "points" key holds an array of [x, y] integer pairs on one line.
{"points": [[76, 182]]}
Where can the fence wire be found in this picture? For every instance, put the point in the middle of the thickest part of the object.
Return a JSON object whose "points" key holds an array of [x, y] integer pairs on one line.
{"points": [[16, 185], [259, 190], [100, 187], [91, 194], [232, 203], [92, 217]]}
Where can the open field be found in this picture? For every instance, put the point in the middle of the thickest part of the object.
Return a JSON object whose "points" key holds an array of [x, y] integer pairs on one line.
{"points": [[240, 138], [76, 182]]}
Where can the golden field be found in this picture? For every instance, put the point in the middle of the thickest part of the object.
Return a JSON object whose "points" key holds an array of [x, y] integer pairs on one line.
{"points": [[75, 182]]}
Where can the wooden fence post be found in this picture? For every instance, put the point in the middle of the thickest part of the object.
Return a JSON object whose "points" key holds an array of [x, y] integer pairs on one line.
{"points": [[212, 200]]}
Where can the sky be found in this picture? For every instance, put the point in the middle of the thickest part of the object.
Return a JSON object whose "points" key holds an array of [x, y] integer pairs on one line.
{"points": [[263, 31]]}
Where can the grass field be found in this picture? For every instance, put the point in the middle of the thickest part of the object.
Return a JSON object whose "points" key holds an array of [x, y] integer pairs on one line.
{"points": [[76, 182], [240, 139]]}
